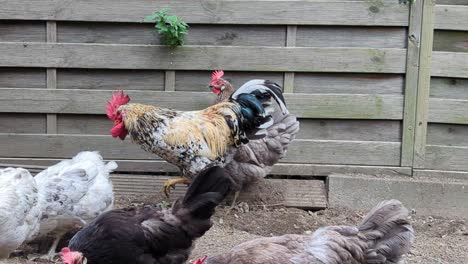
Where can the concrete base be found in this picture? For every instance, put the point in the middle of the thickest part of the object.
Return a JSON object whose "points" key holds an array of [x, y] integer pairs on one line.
{"points": [[427, 197]]}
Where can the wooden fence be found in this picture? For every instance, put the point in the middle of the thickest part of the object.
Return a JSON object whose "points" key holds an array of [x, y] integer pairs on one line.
{"points": [[356, 73]]}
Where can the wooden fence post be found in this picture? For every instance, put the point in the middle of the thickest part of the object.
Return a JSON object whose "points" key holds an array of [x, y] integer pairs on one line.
{"points": [[422, 103]]}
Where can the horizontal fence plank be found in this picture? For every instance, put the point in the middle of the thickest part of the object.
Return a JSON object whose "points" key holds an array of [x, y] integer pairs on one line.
{"points": [[450, 64], [300, 151], [446, 158], [371, 37], [451, 88], [109, 56], [348, 83], [22, 123], [94, 102], [441, 174], [452, 41], [448, 111], [138, 33], [451, 17], [383, 13], [158, 166], [22, 31], [22, 77], [447, 134]]}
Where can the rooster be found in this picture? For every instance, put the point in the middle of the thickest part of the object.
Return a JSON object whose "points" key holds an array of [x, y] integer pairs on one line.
{"points": [[384, 236], [197, 140], [151, 235], [254, 160], [19, 209], [72, 193]]}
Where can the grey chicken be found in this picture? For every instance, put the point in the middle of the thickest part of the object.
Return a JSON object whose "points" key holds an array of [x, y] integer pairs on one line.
{"points": [[383, 237]]}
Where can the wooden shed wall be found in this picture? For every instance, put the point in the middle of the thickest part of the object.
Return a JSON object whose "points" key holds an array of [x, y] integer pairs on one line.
{"points": [[350, 71]]}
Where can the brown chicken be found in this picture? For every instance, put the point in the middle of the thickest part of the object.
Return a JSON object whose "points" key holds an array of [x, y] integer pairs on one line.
{"points": [[254, 160], [196, 140], [383, 237]]}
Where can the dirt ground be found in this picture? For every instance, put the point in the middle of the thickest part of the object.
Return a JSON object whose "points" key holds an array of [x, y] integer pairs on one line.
{"points": [[438, 240]]}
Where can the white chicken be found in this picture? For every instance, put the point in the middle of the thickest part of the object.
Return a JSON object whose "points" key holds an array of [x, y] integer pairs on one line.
{"points": [[72, 193], [19, 208]]}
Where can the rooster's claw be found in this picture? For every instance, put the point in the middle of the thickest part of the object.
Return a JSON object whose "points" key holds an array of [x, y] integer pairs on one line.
{"points": [[172, 183]]}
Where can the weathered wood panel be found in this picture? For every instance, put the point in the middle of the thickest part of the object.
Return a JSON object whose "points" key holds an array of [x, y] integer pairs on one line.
{"points": [[357, 130], [22, 123], [132, 33], [348, 83], [447, 134], [446, 157], [450, 64], [451, 88], [22, 31], [202, 57], [303, 105], [300, 151], [22, 78], [456, 41], [452, 2], [372, 37], [218, 12], [84, 124], [451, 17], [110, 79], [448, 111], [198, 81]]}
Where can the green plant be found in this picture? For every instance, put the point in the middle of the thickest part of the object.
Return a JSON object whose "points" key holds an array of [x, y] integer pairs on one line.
{"points": [[171, 28]]}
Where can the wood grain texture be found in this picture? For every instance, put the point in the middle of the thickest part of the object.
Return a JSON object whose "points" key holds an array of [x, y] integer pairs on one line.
{"points": [[448, 111], [352, 106], [291, 35], [22, 123], [411, 83], [450, 64], [169, 81], [22, 78], [447, 134], [441, 174], [446, 158], [451, 17], [348, 83], [300, 151], [98, 79], [372, 37], [217, 12], [422, 103], [138, 33], [22, 31], [110, 56], [451, 88], [83, 124], [455, 41]]}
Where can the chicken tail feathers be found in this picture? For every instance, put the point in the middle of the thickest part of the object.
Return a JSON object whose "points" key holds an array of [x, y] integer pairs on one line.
{"points": [[388, 231], [206, 192]]}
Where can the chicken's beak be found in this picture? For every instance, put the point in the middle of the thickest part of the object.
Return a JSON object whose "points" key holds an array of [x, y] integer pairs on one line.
{"points": [[85, 260]]}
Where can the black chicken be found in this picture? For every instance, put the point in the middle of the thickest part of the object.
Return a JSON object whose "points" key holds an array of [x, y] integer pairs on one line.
{"points": [[151, 235]]}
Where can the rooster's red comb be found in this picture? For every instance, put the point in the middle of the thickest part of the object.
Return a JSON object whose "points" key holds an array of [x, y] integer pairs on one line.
{"points": [[68, 256], [216, 75], [117, 100], [200, 261]]}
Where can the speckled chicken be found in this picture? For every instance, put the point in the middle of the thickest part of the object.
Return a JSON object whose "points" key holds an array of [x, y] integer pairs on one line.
{"points": [[254, 160], [151, 235], [19, 209], [196, 140], [383, 237], [72, 193]]}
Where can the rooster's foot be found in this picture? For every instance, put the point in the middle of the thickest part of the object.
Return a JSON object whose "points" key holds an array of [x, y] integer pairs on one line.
{"points": [[172, 183]]}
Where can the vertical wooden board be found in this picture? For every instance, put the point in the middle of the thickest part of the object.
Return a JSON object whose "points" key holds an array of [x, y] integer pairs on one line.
{"points": [[288, 85], [456, 41], [334, 36], [132, 33], [350, 83], [199, 80], [451, 88], [110, 79], [358, 130], [84, 124], [447, 134], [22, 123], [169, 81], [22, 78], [425, 59], [411, 83], [19, 31]]}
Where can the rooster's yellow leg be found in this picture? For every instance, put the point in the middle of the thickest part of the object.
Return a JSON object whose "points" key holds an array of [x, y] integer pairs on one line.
{"points": [[173, 182]]}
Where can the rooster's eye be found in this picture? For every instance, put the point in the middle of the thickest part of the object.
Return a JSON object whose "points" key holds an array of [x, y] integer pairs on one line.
{"points": [[222, 87]]}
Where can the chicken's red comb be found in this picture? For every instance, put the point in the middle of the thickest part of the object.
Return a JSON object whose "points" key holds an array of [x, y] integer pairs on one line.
{"points": [[68, 256], [117, 100], [216, 75], [200, 261]]}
